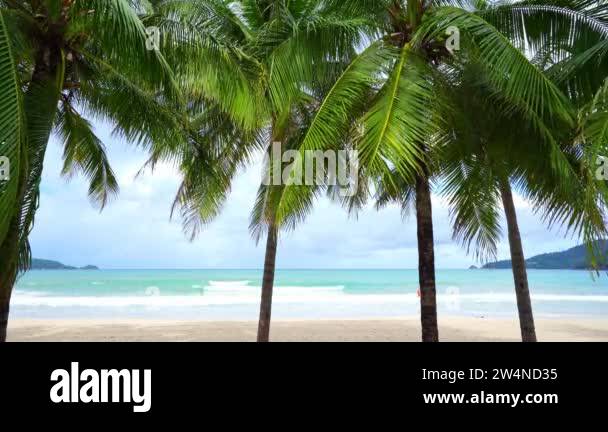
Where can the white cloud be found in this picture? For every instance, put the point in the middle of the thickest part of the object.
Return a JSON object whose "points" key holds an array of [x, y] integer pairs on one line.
{"points": [[134, 231]]}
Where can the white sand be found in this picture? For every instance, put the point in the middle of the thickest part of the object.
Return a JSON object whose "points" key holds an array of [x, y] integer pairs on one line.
{"points": [[407, 329]]}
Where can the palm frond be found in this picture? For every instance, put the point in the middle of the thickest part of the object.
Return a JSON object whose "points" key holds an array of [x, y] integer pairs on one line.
{"points": [[12, 136], [474, 201], [120, 38], [399, 119], [507, 68], [205, 43], [84, 152]]}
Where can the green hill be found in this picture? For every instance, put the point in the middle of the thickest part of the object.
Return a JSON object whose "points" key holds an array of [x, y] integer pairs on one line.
{"points": [[571, 259], [42, 264]]}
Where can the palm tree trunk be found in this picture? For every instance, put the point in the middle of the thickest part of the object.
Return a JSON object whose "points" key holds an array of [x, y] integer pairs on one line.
{"points": [[426, 261], [8, 273], [520, 277], [9, 253], [44, 74], [4, 306], [267, 285]]}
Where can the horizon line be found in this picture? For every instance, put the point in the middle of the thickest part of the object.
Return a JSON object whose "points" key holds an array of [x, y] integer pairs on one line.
{"points": [[261, 269]]}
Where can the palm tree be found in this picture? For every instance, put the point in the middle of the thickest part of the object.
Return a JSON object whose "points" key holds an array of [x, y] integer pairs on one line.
{"points": [[252, 66], [271, 213], [12, 148], [574, 56], [73, 57], [480, 162], [392, 92]]}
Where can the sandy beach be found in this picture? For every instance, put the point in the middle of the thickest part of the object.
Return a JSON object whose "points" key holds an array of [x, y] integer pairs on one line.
{"points": [[372, 330]]}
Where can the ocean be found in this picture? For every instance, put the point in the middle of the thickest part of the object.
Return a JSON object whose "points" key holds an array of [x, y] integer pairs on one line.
{"points": [[299, 294]]}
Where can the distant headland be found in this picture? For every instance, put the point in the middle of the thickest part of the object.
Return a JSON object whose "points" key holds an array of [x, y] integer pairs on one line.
{"points": [[572, 259], [42, 264]]}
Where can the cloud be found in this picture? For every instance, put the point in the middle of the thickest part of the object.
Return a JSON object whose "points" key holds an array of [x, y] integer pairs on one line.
{"points": [[134, 230]]}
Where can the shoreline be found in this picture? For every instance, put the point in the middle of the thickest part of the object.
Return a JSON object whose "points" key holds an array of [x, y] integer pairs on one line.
{"points": [[451, 328]]}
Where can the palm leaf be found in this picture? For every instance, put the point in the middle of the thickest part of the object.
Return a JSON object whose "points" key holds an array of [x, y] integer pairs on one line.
{"points": [[507, 68], [400, 118], [11, 132], [84, 152], [120, 37], [204, 41]]}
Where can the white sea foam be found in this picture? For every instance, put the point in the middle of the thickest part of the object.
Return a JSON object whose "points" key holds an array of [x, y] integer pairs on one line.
{"points": [[319, 295], [241, 292], [194, 301], [18, 292], [228, 283], [152, 291], [296, 295], [505, 297], [234, 288]]}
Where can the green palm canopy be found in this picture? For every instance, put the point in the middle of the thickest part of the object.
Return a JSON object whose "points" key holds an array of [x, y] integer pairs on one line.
{"points": [[11, 130], [76, 61]]}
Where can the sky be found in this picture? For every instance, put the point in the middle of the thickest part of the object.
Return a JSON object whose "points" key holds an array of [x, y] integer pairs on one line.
{"points": [[134, 230]]}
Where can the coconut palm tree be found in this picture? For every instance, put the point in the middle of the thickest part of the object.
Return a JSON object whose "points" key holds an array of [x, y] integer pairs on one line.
{"points": [[573, 55], [11, 148], [271, 213], [477, 180], [479, 164], [72, 58], [12, 139], [252, 65], [392, 94]]}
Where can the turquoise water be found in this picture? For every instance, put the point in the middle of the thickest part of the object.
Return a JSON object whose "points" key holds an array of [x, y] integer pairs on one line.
{"points": [[234, 294]]}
